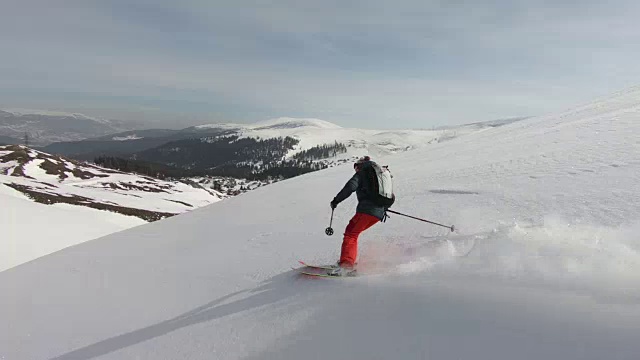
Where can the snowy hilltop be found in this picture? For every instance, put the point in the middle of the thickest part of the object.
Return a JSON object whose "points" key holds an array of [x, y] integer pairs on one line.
{"points": [[313, 132], [545, 263]]}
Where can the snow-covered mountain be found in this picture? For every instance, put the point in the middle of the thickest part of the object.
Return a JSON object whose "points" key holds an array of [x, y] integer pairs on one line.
{"points": [[309, 132], [68, 190], [277, 148], [547, 219], [314, 132], [277, 123], [45, 127]]}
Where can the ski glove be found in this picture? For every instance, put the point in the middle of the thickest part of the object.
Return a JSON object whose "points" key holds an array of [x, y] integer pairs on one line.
{"points": [[334, 204]]}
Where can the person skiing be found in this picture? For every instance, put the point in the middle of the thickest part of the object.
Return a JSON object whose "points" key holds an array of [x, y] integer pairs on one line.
{"points": [[373, 188]]}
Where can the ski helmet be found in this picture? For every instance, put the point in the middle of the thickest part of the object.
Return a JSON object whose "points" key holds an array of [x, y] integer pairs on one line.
{"points": [[358, 164]]}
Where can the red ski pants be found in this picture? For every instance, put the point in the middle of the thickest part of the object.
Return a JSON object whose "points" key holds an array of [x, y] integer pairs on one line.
{"points": [[359, 223]]}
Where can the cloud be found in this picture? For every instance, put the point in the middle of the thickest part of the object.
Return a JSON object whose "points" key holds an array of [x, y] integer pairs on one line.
{"points": [[361, 63]]}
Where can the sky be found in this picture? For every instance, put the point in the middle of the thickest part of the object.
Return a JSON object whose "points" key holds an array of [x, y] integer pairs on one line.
{"points": [[370, 64]]}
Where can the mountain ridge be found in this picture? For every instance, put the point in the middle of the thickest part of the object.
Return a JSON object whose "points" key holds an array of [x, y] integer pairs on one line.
{"points": [[45, 127]]}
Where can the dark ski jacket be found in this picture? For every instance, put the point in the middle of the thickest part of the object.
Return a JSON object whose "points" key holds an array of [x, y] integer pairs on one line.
{"points": [[365, 205]]}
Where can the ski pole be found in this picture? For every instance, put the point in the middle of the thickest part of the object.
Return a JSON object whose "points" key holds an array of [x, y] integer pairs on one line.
{"points": [[329, 230], [452, 228]]}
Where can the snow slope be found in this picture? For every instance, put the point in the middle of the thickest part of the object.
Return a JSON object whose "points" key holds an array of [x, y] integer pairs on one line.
{"points": [[77, 202], [545, 264], [30, 230]]}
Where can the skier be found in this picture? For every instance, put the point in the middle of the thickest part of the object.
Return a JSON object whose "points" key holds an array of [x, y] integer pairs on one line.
{"points": [[373, 188]]}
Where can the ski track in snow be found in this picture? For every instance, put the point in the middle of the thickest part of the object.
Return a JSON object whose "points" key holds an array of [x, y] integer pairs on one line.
{"points": [[545, 263]]}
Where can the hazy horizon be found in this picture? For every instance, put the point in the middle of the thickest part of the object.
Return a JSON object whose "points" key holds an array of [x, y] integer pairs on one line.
{"points": [[410, 64], [178, 125]]}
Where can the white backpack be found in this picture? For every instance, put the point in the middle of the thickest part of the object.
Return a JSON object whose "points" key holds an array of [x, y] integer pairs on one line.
{"points": [[381, 184]]}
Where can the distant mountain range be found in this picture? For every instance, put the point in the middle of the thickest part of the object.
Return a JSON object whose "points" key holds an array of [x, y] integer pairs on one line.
{"points": [[44, 128], [6, 140], [241, 150], [128, 142], [257, 151]]}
